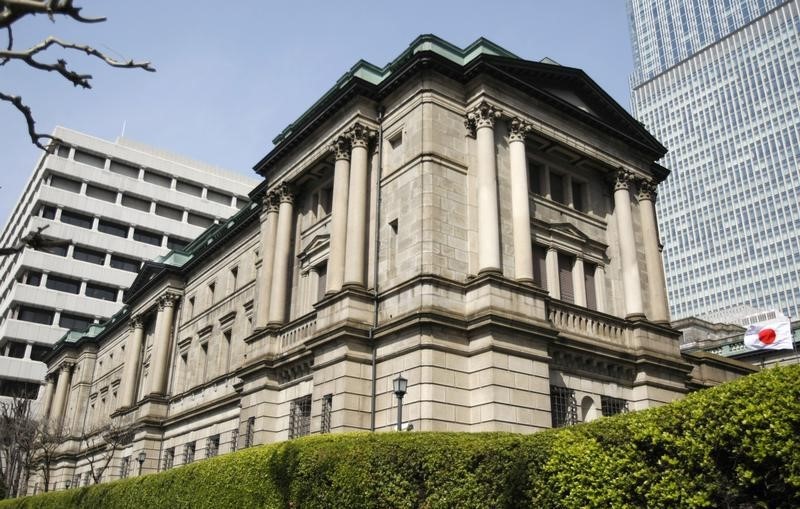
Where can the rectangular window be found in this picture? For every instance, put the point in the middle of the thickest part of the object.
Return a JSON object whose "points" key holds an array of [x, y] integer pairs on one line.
{"points": [[16, 349], [100, 193], [188, 188], [565, 265], [211, 289], [300, 417], [250, 432], [234, 278], [38, 352], [125, 467], [327, 407], [540, 266], [90, 159], [49, 212], [169, 458], [612, 406], [35, 315], [103, 292], [198, 220], [188, 453], [579, 196], [58, 250], [535, 175], [89, 255], [18, 389], [62, 151], [76, 219], [212, 446], [123, 263], [591, 291], [126, 170], [557, 188], [74, 322], [218, 197], [175, 243], [157, 179], [169, 212], [226, 344], [134, 202], [63, 284], [563, 407], [322, 272], [154, 239], [66, 184], [112, 228], [234, 439], [33, 278]]}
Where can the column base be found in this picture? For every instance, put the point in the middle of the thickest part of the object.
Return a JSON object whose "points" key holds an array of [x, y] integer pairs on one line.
{"points": [[490, 270], [636, 317], [526, 280], [350, 285]]}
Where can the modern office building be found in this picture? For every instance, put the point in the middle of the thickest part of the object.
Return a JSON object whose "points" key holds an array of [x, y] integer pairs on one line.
{"points": [[480, 224], [115, 204], [718, 82]]}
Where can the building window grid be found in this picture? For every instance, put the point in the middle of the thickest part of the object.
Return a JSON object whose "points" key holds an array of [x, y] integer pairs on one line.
{"points": [[212, 446], [169, 458], [612, 406], [188, 452], [563, 406], [300, 417], [250, 432], [327, 408], [234, 439]]}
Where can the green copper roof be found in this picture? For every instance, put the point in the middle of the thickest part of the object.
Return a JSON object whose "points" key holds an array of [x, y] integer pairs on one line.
{"points": [[375, 75]]}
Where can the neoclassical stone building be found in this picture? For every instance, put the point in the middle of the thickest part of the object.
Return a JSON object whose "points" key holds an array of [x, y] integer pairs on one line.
{"points": [[480, 223]]}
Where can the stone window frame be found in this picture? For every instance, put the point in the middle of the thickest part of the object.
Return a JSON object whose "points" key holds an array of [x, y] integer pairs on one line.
{"points": [[552, 165]]}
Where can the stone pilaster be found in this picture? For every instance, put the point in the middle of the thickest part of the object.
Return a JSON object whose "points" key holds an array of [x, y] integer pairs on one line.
{"points": [[269, 227], [520, 201], [658, 302], [338, 240], [631, 281], [481, 121], [283, 245]]}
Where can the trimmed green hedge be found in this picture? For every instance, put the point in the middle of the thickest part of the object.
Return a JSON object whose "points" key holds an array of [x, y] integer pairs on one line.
{"points": [[731, 446]]}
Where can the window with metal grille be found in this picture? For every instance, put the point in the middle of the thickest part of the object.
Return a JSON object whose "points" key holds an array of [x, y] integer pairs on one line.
{"points": [[300, 417], [234, 439], [563, 406], [125, 467], [250, 434], [169, 458], [212, 446], [188, 452], [612, 406], [327, 406]]}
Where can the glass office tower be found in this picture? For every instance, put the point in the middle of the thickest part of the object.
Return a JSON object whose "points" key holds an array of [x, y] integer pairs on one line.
{"points": [[718, 83]]}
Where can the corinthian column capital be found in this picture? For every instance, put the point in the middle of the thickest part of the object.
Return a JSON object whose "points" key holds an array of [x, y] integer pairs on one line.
{"points": [[285, 193], [518, 129], [483, 115], [135, 322], [622, 179], [341, 147], [647, 190], [168, 300], [270, 202], [360, 135]]}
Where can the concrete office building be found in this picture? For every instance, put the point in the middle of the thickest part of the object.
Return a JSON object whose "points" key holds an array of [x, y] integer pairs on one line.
{"points": [[116, 204], [482, 224], [718, 82]]}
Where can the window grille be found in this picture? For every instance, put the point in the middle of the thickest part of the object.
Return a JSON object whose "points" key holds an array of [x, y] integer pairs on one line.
{"points": [[86, 478], [76, 480], [327, 406], [212, 446], [248, 438], [125, 468], [169, 458], [188, 454], [300, 417], [612, 406], [234, 439], [563, 406]]}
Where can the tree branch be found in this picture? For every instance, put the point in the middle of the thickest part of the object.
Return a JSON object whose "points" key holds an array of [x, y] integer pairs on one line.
{"points": [[36, 138], [13, 10]]}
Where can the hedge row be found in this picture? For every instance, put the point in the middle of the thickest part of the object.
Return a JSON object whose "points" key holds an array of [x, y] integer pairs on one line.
{"points": [[731, 446]]}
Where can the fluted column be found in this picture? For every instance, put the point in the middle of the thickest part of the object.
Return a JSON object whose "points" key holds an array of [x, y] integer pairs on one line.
{"points": [[520, 201], [341, 183], [631, 282], [551, 264], [49, 392], [161, 346], [659, 304], [356, 268], [578, 282], [269, 227], [280, 266], [600, 288], [132, 362], [482, 120], [62, 393]]}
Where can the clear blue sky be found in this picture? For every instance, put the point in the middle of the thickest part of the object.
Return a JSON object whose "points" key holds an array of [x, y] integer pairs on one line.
{"points": [[229, 79]]}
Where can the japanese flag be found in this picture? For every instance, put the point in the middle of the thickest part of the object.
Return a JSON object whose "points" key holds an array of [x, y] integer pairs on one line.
{"points": [[775, 334]]}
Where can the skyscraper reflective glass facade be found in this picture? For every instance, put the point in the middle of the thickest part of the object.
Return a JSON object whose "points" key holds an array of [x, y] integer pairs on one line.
{"points": [[718, 83]]}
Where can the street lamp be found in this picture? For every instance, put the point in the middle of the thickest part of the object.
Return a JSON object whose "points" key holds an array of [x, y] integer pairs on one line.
{"points": [[400, 386], [140, 459]]}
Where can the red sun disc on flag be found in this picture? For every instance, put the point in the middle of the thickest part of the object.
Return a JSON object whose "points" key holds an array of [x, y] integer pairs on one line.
{"points": [[766, 336]]}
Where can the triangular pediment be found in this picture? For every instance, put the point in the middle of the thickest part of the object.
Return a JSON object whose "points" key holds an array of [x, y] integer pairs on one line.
{"points": [[147, 273], [569, 230]]}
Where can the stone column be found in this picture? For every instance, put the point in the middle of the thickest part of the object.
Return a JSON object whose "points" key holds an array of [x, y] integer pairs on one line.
{"points": [[62, 393], [269, 226], [578, 282], [280, 266], [600, 288], [162, 343], [659, 304], [631, 282], [133, 362], [49, 391], [356, 268], [551, 264], [482, 120], [520, 201], [341, 182]]}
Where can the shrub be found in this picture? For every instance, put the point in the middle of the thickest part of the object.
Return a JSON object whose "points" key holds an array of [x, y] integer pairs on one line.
{"points": [[731, 446]]}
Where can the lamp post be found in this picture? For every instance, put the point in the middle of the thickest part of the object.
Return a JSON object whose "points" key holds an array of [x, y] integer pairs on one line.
{"points": [[141, 459], [400, 386]]}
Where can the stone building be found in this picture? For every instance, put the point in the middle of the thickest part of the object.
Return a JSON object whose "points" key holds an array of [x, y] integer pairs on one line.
{"points": [[479, 223]]}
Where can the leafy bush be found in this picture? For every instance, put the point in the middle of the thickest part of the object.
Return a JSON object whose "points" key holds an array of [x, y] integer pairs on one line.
{"points": [[731, 446]]}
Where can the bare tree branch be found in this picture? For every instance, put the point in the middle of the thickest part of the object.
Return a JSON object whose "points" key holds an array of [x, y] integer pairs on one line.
{"points": [[36, 138], [13, 10]]}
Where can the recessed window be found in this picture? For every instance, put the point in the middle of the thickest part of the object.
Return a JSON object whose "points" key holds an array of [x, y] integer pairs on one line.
{"points": [[76, 219], [157, 179], [18, 389], [612, 406], [62, 151], [88, 255], [535, 176], [136, 203], [100, 193], [112, 228], [66, 184], [16, 349], [49, 212], [124, 263], [300, 417], [327, 407], [322, 278], [188, 188], [33, 278], [249, 436], [124, 169], [103, 292], [565, 266], [35, 315], [63, 284], [58, 249], [74, 322], [169, 212], [90, 159], [540, 266], [557, 188], [188, 454], [563, 407], [154, 239], [218, 197], [212, 446], [169, 458], [579, 196], [38, 352], [589, 271], [198, 220], [234, 277], [176, 243]]}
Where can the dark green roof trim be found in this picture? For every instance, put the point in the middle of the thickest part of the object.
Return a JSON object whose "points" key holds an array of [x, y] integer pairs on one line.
{"points": [[483, 56], [93, 334]]}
